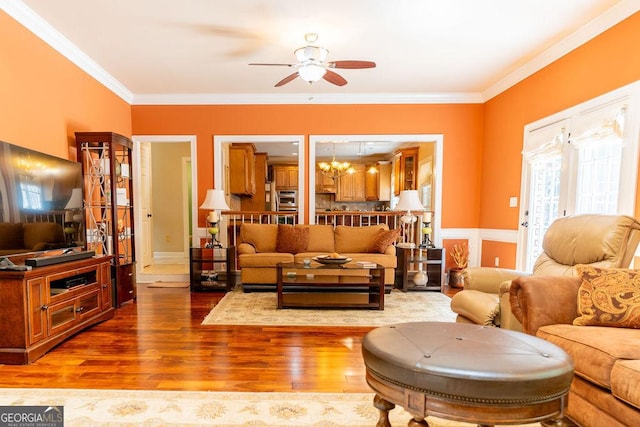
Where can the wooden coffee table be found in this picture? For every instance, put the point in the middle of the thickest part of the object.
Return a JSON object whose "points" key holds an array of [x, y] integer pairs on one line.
{"points": [[330, 286]]}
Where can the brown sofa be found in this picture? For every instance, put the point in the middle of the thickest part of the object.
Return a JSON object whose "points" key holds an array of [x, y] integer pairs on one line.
{"points": [[605, 390], [257, 254], [30, 237]]}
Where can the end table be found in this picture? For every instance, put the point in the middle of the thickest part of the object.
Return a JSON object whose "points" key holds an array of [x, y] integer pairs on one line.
{"points": [[429, 260], [204, 272]]}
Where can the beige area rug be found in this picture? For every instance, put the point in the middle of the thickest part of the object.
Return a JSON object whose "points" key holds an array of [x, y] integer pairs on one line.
{"points": [[259, 308], [168, 285], [191, 408]]}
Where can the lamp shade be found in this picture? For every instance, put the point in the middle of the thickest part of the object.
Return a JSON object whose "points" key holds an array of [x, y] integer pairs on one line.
{"points": [[75, 201], [409, 201], [215, 201]]}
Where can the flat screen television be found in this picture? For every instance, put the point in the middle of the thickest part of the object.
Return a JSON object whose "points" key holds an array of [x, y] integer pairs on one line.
{"points": [[41, 206]]}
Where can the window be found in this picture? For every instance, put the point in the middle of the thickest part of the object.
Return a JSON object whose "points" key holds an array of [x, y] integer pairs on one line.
{"points": [[583, 160]]}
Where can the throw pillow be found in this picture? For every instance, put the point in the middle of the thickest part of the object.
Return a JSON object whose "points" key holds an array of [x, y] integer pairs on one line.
{"points": [[382, 240], [292, 240], [608, 297]]}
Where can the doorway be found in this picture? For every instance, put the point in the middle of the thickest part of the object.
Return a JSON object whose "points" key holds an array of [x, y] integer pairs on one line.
{"points": [[163, 188]]}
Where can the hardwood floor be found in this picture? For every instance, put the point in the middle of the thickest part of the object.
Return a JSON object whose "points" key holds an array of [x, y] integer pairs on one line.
{"points": [[157, 343]]}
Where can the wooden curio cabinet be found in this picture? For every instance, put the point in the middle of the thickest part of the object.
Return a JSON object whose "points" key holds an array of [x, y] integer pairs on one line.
{"points": [[406, 170], [106, 165]]}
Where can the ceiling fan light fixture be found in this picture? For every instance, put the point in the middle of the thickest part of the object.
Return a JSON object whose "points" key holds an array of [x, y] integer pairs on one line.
{"points": [[311, 72], [311, 53]]}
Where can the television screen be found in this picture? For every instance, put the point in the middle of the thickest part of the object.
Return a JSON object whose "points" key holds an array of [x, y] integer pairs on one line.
{"points": [[40, 201]]}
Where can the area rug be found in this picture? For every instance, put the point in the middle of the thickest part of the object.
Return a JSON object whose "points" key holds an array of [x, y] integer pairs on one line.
{"points": [[168, 285], [259, 308], [192, 408]]}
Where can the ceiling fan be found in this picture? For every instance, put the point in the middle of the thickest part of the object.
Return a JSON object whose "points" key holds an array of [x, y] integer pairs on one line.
{"points": [[312, 65]]}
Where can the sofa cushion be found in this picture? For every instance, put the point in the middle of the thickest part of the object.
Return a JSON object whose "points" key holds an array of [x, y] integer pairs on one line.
{"points": [[625, 377], [608, 297], [595, 349], [260, 236], [382, 240], [267, 260], [11, 236], [321, 239], [355, 239], [292, 239]]}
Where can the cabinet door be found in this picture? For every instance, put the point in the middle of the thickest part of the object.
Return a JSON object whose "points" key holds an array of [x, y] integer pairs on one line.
{"points": [[371, 185], [62, 316], [286, 177], [258, 201], [292, 178], [325, 184], [242, 180], [104, 279], [384, 182], [37, 299], [351, 186]]}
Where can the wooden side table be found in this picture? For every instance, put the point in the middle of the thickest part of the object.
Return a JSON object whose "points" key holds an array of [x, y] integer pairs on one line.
{"points": [[430, 260], [204, 271]]}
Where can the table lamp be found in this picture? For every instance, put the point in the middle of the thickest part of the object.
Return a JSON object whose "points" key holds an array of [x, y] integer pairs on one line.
{"points": [[214, 202], [408, 201], [73, 215]]}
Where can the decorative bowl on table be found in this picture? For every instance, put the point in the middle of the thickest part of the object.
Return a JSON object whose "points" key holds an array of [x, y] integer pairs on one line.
{"points": [[325, 259]]}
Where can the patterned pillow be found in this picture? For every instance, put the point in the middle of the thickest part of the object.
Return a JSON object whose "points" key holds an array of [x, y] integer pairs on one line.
{"points": [[382, 240], [608, 297], [292, 240]]}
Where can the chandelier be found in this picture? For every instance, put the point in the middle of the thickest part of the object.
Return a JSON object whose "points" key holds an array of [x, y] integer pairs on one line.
{"points": [[335, 169]]}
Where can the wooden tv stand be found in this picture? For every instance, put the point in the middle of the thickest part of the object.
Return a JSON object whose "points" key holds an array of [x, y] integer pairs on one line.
{"points": [[44, 306]]}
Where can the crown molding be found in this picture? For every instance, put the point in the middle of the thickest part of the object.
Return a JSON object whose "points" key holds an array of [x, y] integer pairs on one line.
{"points": [[608, 19], [38, 26], [300, 98]]}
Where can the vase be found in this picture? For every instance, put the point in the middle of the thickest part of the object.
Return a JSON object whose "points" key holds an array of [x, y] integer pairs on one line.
{"points": [[456, 278]]}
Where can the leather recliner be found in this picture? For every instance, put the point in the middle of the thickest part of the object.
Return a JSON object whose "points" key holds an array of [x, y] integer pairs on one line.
{"points": [[607, 241]]}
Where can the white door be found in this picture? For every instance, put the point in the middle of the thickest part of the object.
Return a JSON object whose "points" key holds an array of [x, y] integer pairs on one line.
{"points": [[583, 161], [145, 200]]}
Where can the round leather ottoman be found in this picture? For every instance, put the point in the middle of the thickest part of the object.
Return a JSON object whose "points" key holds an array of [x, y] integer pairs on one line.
{"points": [[466, 372]]}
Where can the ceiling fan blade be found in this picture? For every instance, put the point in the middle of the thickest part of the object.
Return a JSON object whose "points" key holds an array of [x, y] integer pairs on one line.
{"points": [[352, 64], [334, 78], [287, 79], [273, 65]]}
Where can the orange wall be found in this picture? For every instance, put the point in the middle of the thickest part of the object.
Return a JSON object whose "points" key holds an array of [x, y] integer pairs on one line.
{"points": [[461, 125], [607, 62], [46, 98]]}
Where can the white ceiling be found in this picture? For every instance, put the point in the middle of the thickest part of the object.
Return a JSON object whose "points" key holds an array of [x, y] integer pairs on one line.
{"points": [[198, 51]]}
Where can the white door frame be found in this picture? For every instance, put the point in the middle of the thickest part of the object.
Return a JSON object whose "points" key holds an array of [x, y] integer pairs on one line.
{"points": [[219, 140], [437, 139], [137, 140]]}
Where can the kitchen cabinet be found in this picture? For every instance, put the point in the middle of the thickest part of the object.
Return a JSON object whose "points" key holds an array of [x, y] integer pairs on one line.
{"points": [[257, 202], [406, 170], [325, 184], [242, 164], [351, 186], [286, 177], [378, 185]]}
